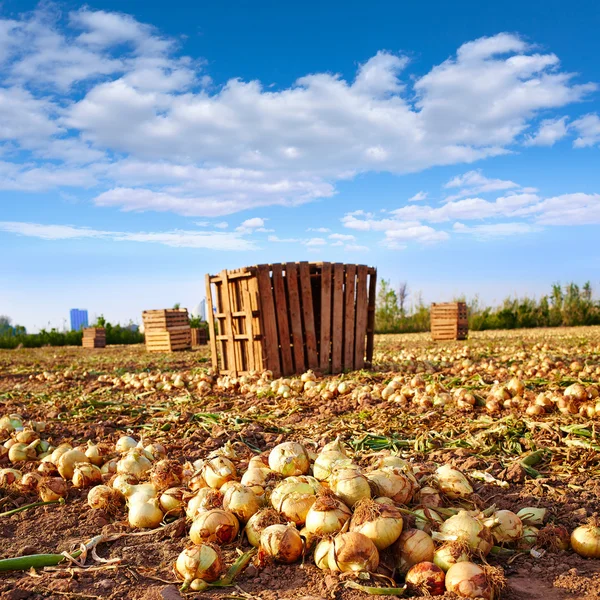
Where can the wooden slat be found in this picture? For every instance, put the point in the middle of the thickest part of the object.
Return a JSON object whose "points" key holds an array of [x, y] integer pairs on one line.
{"points": [[309, 318], [268, 322], [371, 315], [338, 318], [211, 323], [325, 333], [281, 311], [291, 279], [247, 305], [362, 314], [256, 326], [237, 326], [349, 323], [232, 367]]}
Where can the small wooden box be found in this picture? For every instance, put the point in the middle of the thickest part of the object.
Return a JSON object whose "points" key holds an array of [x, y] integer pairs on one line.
{"points": [[199, 336], [167, 330], [94, 337], [449, 321]]}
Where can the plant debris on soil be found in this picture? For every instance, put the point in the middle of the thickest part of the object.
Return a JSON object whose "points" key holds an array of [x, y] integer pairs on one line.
{"points": [[517, 412]]}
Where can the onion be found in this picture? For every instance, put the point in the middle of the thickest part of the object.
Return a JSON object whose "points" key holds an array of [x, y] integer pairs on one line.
{"points": [[215, 525], [381, 523], [241, 501], [465, 528], [9, 476], [585, 540], [282, 542], [425, 578], [171, 501], [427, 520], [26, 436], [395, 462], [429, 497], [104, 498], [156, 451], [94, 454], [529, 537], [327, 515], [321, 555], [507, 527], [200, 562], [206, 499], [21, 452], [532, 516], [145, 514], [289, 458], [166, 474], [125, 443], [450, 553], [350, 485], [294, 496], [218, 471], [352, 552], [468, 580], [134, 463], [67, 461], [86, 474], [59, 451], [260, 521], [392, 483], [30, 481], [413, 546], [52, 488], [452, 482], [327, 461], [109, 467], [259, 476]]}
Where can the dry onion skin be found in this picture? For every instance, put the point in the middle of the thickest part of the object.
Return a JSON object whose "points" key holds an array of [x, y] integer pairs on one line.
{"points": [[289, 459], [465, 528], [468, 580], [413, 546], [283, 543], [426, 578], [327, 515], [260, 521], [585, 540], [381, 523], [200, 562], [217, 525], [352, 552]]}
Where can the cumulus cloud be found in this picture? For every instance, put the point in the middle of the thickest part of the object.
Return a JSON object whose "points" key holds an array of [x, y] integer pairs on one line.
{"points": [[474, 183], [588, 130], [211, 240], [113, 99], [548, 133], [418, 197]]}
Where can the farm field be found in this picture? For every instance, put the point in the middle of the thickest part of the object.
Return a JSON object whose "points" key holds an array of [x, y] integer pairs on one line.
{"points": [[516, 412]]}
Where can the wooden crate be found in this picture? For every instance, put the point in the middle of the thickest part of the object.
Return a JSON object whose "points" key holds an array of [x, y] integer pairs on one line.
{"points": [[449, 321], [167, 330], [290, 317], [199, 336], [94, 337]]}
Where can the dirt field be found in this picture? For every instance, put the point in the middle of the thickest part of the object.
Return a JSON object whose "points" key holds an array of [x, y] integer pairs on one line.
{"points": [[98, 395]]}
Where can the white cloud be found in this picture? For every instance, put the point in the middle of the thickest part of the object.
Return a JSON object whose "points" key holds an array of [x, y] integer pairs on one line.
{"points": [[255, 224], [569, 209], [356, 248], [495, 230], [588, 129], [418, 197], [211, 240], [474, 183], [343, 237], [548, 133], [222, 225], [116, 98], [319, 229], [315, 242], [278, 240]]}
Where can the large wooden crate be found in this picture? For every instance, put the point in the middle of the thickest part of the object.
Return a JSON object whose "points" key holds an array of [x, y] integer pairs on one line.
{"points": [[167, 330], [199, 336], [449, 321], [94, 337], [290, 317]]}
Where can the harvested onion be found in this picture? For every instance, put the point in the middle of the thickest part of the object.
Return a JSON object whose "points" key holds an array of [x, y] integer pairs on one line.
{"points": [[260, 521], [145, 514], [413, 546], [585, 540], [465, 528], [381, 523], [468, 580], [350, 485], [289, 458], [200, 562], [452, 482], [241, 501], [352, 552], [282, 543], [217, 525], [426, 578], [328, 514]]}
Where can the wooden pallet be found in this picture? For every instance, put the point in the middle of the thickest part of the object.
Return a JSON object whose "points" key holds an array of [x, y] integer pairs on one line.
{"points": [[167, 330], [449, 321], [199, 336], [94, 337], [165, 318], [291, 317]]}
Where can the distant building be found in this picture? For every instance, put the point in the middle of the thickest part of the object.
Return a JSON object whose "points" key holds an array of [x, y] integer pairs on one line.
{"points": [[79, 318], [199, 310]]}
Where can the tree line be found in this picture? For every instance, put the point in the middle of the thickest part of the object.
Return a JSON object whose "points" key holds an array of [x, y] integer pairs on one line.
{"points": [[569, 305]]}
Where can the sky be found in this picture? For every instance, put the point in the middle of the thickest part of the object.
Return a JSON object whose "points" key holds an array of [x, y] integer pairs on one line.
{"points": [[454, 146]]}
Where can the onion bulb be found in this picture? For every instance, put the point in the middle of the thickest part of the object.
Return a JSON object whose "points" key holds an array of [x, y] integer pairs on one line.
{"points": [[350, 485], [507, 527], [426, 578], [328, 514], [413, 546], [529, 538], [259, 476], [218, 471], [134, 463], [206, 499], [67, 461], [321, 554], [10, 476], [452, 482], [145, 514], [30, 481], [381, 523], [468, 580], [216, 525], [200, 562], [171, 501], [20, 452], [427, 520], [532, 516], [429, 497], [260, 521], [450, 553], [392, 483], [52, 488], [86, 474], [585, 540], [282, 542], [94, 454], [465, 528], [104, 498], [241, 501], [289, 458], [294, 496], [352, 552], [59, 451], [327, 461], [125, 443], [166, 474]]}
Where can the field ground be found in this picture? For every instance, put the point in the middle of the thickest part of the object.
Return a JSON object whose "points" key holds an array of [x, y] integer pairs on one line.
{"points": [[86, 395]]}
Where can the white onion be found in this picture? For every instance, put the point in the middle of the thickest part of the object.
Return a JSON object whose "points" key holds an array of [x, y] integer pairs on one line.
{"points": [[413, 546], [507, 527], [585, 540], [327, 515], [350, 485], [381, 523], [452, 482], [289, 458], [67, 461], [282, 542], [218, 471], [465, 528], [200, 562], [468, 580], [352, 552], [260, 521], [216, 525], [241, 501], [145, 514]]}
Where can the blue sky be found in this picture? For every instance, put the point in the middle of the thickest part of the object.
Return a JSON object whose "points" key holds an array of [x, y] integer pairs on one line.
{"points": [[453, 147]]}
